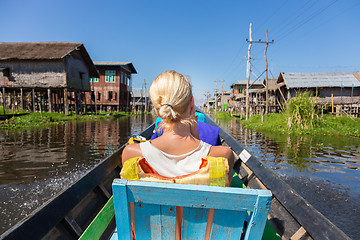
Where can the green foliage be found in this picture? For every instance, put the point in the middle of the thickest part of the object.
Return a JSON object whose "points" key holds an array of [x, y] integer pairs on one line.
{"points": [[342, 125], [303, 112], [10, 112], [35, 120], [223, 116]]}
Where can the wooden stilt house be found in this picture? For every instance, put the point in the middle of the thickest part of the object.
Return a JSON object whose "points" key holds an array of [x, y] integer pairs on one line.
{"points": [[339, 91], [111, 91], [45, 76]]}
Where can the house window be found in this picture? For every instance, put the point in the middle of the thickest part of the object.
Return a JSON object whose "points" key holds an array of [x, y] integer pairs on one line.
{"points": [[98, 96], [110, 75], [5, 72], [240, 90], [110, 95], [122, 78], [92, 95], [95, 79], [115, 97]]}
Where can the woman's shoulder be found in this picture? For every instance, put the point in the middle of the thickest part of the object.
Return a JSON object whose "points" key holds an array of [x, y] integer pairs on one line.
{"points": [[130, 151], [220, 151]]}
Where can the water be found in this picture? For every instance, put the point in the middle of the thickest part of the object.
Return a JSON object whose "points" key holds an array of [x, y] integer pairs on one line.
{"points": [[325, 170], [35, 165]]}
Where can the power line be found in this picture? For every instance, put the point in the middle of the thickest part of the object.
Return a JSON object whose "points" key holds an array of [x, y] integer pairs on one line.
{"points": [[315, 14], [273, 14]]}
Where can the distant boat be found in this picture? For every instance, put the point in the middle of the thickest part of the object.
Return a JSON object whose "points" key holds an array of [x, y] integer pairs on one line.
{"points": [[8, 116]]}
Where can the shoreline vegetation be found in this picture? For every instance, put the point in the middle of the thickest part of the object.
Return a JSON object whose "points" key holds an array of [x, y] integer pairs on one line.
{"points": [[45, 119], [301, 116]]}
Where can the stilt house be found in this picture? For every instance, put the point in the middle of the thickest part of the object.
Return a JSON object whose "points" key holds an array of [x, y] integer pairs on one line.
{"points": [[50, 76], [339, 88], [238, 98], [112, 89]]}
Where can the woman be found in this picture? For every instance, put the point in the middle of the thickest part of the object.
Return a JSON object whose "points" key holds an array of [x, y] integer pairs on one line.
{"points": [[177, 155]]}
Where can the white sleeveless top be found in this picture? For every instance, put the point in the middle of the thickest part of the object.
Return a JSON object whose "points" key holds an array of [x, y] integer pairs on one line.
{"points": [[174, 165]]}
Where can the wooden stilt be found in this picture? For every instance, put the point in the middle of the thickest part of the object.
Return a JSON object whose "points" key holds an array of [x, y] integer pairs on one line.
{"points": [[76, 96], [85, 109], [21, 99], [4, 99], [33, 99], [49, 100], [66, 103], [13, 102]]}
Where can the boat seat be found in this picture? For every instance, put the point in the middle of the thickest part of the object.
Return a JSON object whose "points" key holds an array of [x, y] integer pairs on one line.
{"points": [[208, 212]]}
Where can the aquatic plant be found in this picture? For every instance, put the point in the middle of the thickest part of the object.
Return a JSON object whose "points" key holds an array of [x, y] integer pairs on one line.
{"points": [[303, 112], [223, 116], [45, 119]]}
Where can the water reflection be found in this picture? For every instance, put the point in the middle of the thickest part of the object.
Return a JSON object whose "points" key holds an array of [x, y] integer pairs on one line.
{"points": [[325, 170], [37, 164]]}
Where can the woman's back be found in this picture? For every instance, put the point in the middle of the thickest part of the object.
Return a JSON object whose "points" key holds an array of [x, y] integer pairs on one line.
{"points": [[173, 101]]}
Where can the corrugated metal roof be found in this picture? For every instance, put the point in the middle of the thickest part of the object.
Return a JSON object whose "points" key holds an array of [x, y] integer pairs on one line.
{"points": [[251, 82], [139, 93], [312, 80], [126, 65]]}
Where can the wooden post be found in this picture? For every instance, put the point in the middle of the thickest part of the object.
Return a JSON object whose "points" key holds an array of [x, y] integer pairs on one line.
{"points": [[76, 96], [21, 99], [248, 74], [95, 97], [145, 96], [40, 105], [4, 99], [352, 95], [266, 77], [14, 101], [85, 110], [33, 99], [49, 99], [216, 99], [332, 103], [66, 104]]}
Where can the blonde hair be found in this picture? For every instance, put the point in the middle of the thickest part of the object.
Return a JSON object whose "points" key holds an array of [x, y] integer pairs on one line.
{"points": [[170, 95]]}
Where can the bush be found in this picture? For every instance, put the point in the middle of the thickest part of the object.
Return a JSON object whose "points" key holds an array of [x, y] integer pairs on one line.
{"points": [[303, 112]]}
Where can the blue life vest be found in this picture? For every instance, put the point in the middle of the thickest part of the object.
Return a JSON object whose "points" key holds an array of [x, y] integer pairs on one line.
{"points": [[207, 133]]}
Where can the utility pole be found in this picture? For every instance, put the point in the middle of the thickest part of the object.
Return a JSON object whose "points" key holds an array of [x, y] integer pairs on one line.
{"points": [[266, 78], [222, 94], [249, 69], [216, 97], [145, 96]]}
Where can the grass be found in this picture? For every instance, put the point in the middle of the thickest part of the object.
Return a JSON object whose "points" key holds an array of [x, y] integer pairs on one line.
{"points": [[223, 116], [327, 125], [35, 120], [302, 116]]}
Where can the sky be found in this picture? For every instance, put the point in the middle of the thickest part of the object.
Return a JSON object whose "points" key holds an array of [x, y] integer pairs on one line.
{"points": [[205, 40]]}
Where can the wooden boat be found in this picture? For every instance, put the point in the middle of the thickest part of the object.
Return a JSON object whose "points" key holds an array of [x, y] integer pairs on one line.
{"points": [[68, 214]]}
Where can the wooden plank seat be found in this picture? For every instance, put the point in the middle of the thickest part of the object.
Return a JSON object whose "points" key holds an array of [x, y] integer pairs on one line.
{"points": [[238, 213]]}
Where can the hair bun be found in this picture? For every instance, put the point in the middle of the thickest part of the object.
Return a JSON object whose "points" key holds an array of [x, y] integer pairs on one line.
{"points": [[167, 112]]}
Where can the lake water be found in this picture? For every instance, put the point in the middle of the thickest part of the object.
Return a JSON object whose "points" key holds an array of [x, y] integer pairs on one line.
{"points": [[37, 164], [325, 170]]}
